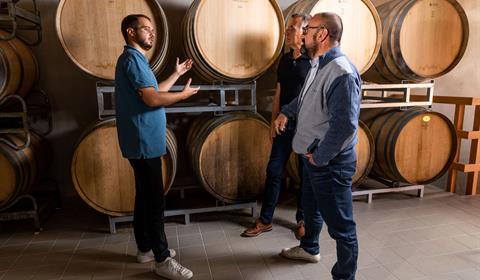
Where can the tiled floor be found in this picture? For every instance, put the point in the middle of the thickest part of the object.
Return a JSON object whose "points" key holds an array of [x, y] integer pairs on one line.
{"points": [[401, 237]]}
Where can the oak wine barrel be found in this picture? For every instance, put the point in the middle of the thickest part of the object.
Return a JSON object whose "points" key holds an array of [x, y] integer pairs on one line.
{"points": [[18, 67], [365, 150], [416, 146], [20, 170], [362, 31], [89, 31], [422, 39], [233, 41], [229, 155], [103, 178]]}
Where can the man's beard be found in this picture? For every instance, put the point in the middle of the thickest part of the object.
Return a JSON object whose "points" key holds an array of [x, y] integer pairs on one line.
{"points": [[311, 49], [144, 44]]}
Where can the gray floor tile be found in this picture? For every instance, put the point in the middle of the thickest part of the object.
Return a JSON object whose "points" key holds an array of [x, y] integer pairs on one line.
{"points": [[190, 240], [214, 237], [252, 273], [197, 266], [188, 229], [223, 264], [376, 273], [192, 253], [20, 274], [404, 271], [6, 262], [227, 275], [441, 264], [218, 250]]}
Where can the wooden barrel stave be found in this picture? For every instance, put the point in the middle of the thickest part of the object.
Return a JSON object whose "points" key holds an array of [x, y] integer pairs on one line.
{"points": [[362, 27], [413, 32], [20, 170], [229, 155], [28, 70], [103, 178], [97, 55], [231, 59], [416, 146]]}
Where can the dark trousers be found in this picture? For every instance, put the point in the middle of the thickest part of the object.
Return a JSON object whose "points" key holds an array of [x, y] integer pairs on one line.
{"points": [[281, 149], [148, 217], [327, 196]]}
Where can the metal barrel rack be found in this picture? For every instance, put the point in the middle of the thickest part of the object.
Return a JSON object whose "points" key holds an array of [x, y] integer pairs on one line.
{"points": [[229, 99]]}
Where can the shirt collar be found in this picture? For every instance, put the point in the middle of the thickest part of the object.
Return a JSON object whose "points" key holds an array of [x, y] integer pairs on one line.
{"points": [[130, 49], [314, 62], [330, 55]]}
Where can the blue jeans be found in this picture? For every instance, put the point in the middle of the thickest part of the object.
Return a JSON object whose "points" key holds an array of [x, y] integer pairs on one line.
{"points": [[327, 196], [281, 149]]}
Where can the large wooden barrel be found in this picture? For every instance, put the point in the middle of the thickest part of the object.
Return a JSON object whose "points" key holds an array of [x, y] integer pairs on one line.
{"points": [[233, 41], [103, 178], [365, 150], [422, 39], [89, 31], [20, 170], [362, 29], [18, 67], [229, 155], [414, 146]]}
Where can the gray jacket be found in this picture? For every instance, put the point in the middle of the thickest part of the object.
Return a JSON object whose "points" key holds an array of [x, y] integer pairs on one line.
{"points": [[327, 115]]}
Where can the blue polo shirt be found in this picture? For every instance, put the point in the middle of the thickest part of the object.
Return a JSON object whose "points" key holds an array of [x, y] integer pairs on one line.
{"points": [[141, 129]]}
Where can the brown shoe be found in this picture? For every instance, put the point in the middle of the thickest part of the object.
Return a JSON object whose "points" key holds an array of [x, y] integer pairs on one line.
{"points": [[257, 229], [300, 232]]}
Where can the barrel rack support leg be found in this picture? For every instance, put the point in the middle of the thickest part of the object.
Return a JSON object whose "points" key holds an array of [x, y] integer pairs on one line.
{"points": [[112, 222], [28, 210], [370, 192]]}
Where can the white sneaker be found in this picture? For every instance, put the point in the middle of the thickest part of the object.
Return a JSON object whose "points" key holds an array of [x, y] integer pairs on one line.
{"points": [[171, 269], [298, 253], [149, 257]]}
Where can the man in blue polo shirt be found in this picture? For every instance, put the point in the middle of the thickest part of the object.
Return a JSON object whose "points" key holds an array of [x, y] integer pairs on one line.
{"points": [[141, 125]]}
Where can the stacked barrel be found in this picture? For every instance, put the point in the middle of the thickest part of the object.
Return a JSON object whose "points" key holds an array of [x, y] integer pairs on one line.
{"points": [[233, 41], [89, 32], [101, 176], [20, 168]]}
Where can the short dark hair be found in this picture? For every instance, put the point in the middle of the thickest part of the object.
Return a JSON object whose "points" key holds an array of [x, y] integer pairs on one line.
{"points": [[334, 25], [131, 21]]}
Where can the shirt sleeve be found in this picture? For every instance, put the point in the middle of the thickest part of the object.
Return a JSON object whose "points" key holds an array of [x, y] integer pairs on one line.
{"points": [[343, 101], [290, 109], [136, 74]]}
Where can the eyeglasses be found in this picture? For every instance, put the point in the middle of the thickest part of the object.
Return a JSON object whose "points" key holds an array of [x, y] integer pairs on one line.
{"points": [[146, 29], [307, 27]]}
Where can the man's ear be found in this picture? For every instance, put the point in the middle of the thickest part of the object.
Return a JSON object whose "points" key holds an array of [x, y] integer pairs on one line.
{"points": [[130, 31]]}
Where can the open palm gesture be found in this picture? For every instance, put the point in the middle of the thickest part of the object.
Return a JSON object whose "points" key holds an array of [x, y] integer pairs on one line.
{"points": [[182, 68]]}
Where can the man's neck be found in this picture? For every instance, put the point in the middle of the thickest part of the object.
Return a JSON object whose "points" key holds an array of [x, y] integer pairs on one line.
{"points": [[137, 47], [321, 50]]}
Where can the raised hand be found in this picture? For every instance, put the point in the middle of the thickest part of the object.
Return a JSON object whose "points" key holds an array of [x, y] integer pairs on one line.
{"points": [[189, 91], [182, 68]]}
